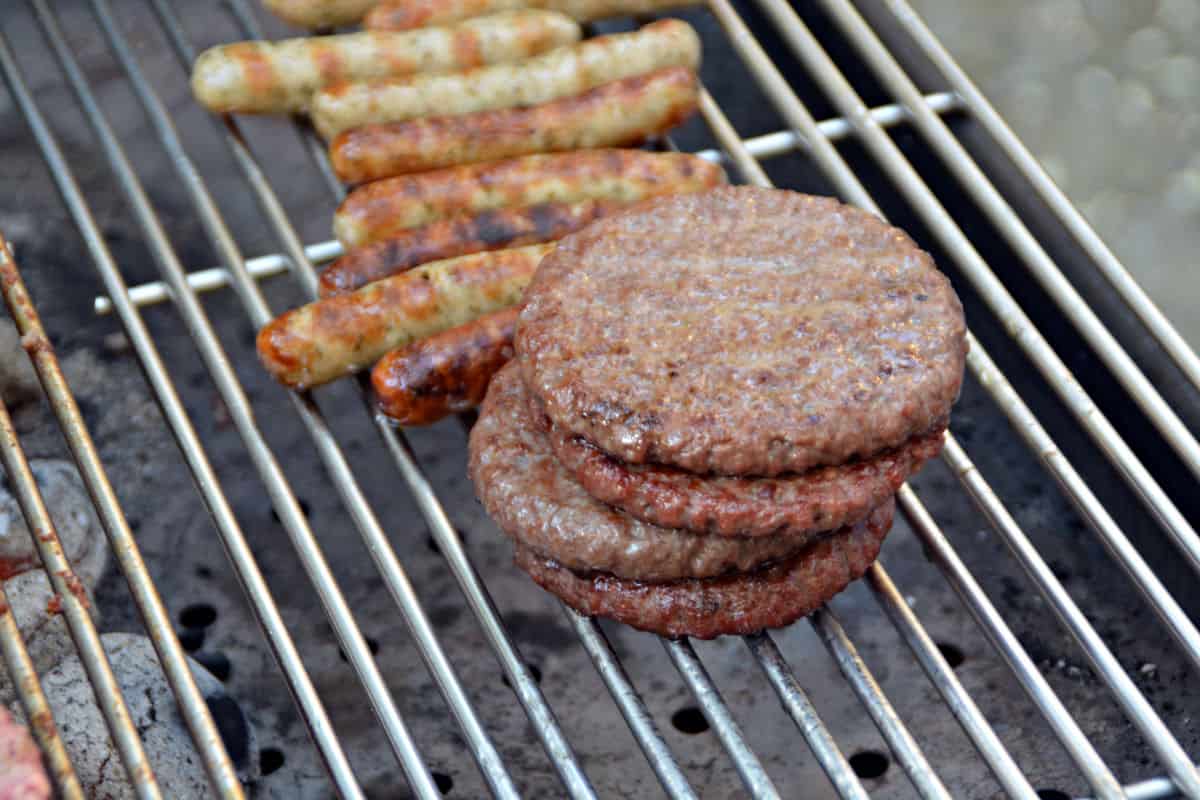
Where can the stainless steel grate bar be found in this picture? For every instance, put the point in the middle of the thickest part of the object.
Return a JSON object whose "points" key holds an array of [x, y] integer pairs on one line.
{"points": [[778, 673], [1065, 727], [810, 52], [942, 676], [817, 138], [282, 496], [1038, 261], [394, 576], [1081, 751], [75, 609], [749, 768], [484, 608], [1176, 620], [24, 677], [1135, 705], [661, 759], [804, 714], [124, 547], [233, 539], [1108, 264], [528, 692], [765, 146], [855, 670], [630, 704]]}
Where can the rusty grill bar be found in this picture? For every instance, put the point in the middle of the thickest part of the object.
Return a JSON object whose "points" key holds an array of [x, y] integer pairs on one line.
{"points": [[858, 122]]}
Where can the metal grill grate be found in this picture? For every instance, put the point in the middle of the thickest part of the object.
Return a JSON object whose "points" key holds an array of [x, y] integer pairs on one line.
{"points": [[878, 158]]}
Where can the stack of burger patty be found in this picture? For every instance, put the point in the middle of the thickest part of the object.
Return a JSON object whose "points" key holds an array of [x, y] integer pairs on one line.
{"points": [[713, 401]]}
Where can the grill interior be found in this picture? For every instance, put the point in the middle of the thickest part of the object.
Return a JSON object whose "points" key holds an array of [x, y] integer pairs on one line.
{"points": [[1027, 631]]}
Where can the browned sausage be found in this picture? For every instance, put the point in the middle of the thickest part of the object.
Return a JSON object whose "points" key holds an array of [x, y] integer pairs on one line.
{"points": [[446, 373], [403, 15], [382, 209], [458, 236], [337, 336], [319, 13], [618, 114], [280, 77], [561, 72]]}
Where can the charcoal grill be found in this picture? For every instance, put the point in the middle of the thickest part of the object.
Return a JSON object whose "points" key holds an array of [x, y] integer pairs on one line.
{"points": [[1073, 375]]}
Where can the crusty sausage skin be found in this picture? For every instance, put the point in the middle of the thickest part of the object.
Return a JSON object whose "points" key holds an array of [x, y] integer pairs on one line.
{"points": [[446, 373], [457, 236], [618, 114], [281, 77], [403, 15], [315, 14], [384, 208], [337, 336], [559, 73]]}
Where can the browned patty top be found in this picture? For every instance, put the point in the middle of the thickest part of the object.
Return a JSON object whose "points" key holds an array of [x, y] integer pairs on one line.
{"points": [[744, 331], [534, 500], [769, 597]]}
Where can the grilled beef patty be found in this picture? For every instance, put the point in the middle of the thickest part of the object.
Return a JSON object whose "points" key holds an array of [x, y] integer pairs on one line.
{"points": [[534, 500], [819, 499], [770, 597], [745, 331]]}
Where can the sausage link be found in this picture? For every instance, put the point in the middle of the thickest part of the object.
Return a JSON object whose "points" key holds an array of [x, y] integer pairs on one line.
{"points": [[445, 373], [559, 73], [313, 14], [337, 336], [618, 114], [384, 208], [403, 15], [458, 236], [281, 77]]}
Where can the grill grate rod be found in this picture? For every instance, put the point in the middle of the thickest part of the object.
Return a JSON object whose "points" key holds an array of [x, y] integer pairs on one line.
{"points": [[809, 51], [277, 636], [941, 674], [1038, 261], [855, 670], [1065, 727], [779, 674], [797, 705], [765, 146], [75, 608], [648, 737], [145, 595], [632, 708], [338, 467], [1132, 701], [749, 768], [528, 692], [282, 496], [1108, 264]]}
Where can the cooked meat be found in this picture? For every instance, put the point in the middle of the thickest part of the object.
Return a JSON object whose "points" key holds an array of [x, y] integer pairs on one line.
{"points": [[815, 500], [534, 500], [459, 235], [445, 373], [770, 597], [384, 208], [552, 75], [744, 331], [281, 77], [618, 114]]}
